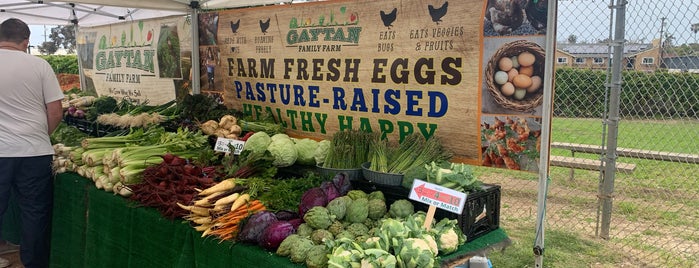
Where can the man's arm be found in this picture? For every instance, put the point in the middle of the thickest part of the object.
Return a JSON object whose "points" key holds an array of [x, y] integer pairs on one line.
{"points": [[54, 114]]}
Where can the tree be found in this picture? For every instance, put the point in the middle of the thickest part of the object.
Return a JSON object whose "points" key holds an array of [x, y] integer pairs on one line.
{"points": [[47, 48], [572, 39], [61, 36]]}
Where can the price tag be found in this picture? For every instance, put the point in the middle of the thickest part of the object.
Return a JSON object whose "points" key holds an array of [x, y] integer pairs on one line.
{"points": [[438, 196], [225, 145]]}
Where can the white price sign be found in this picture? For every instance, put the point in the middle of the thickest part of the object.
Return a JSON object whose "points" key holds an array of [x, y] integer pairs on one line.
{"points": [[225, 145], [438, 196]]}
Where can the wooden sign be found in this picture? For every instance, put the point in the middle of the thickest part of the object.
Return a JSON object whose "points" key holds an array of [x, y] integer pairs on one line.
{"points": [[393, 67]]}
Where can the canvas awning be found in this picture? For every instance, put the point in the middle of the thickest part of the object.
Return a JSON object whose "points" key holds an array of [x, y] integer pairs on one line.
{"points": [[102, 12]]}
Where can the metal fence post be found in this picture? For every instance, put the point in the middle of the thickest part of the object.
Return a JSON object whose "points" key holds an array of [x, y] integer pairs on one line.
{"points": [[607, 194]]}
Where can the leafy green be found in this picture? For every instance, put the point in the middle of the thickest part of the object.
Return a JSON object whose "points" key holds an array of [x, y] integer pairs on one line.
{"points": [[67, 135], [456, 176]]}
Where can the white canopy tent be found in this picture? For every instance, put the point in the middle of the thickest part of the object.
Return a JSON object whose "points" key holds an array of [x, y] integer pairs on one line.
{"points": [[102, 12]]}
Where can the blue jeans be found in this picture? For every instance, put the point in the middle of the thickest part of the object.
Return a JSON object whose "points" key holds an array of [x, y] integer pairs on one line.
{"points": [[30, 179]]}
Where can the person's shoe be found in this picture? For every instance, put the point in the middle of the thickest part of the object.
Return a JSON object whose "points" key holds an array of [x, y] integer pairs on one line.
{"points": [[4, 263], [8, 247]]}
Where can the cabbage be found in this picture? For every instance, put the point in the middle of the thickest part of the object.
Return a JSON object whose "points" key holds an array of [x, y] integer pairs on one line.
{"points": [[306, 151], [257, 142], [321, 151], [274, 234], [284, 152], [255, 226], [279, 136], [311, 198]]}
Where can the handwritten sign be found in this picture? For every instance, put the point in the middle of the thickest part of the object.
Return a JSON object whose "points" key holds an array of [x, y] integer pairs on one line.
{"points": [[224, 145], [438, 196]]}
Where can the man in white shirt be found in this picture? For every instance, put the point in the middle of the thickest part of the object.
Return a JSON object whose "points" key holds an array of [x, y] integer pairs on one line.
{"points": [[30, 110]]}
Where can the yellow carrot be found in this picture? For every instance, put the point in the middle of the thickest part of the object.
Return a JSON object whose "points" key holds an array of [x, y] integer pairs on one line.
{"points": [[227, 200], [203, 227], [195, 209], [204, 202], [224, 185], [240, 201]]}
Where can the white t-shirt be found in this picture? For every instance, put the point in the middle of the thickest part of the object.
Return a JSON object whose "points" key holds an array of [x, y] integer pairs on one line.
{"points": [[27, 83]]}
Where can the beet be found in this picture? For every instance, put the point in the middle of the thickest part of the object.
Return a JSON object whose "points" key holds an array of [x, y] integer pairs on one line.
{"points": [[311, 198], [255, 226]]}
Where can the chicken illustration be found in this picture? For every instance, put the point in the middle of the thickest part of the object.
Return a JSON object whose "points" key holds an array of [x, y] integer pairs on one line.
{"points": [[505, 15], [264, 25], [389, 18], [438, 13], [235, 26], [536, 13]]}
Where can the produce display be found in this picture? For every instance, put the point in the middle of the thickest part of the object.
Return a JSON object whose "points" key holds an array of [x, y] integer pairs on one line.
{"points": [[313, 220]]}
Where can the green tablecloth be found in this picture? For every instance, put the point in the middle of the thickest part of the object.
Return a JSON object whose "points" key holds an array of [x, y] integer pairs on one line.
{"points": [[94, 228]]}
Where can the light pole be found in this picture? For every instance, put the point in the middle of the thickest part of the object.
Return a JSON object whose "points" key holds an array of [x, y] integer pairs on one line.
{"points": [[662, 47]]}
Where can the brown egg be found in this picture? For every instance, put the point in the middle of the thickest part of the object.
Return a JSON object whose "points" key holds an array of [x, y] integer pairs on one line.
{"points": [[536, 84], [511, 74], [522, 81], [505, 64], [526, 58], [528, 70], [507, 89]]}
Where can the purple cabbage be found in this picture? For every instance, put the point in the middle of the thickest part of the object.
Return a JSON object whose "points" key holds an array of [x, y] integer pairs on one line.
{"points": [[255, 226], [329, 190], [342, 183], [274, 234], [311, 198], [296, 222], [285, 215]]}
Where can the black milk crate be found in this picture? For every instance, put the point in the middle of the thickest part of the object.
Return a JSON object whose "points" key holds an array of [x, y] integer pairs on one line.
{"points": [[88, 127], [481, 212]]}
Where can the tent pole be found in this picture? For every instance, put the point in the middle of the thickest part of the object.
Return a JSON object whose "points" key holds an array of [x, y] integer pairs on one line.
{"points": [[547, 117], [196, 68]]}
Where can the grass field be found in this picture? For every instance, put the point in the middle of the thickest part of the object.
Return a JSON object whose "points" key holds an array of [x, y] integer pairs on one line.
{"points": [[655, 218]]}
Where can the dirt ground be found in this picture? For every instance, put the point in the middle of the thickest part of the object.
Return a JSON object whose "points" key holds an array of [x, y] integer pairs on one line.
{"points": [[68, 81]]}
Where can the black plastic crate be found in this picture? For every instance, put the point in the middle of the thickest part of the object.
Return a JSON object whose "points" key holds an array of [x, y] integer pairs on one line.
{"points": [[89, 127], [481, 212]]}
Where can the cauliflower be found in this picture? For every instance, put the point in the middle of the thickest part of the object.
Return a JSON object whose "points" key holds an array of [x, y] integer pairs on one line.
{"points": [[448, 241], [448, 235], [414, 253]]}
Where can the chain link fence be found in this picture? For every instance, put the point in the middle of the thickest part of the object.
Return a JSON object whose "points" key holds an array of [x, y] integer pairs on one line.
{"points": [[654, 219]]}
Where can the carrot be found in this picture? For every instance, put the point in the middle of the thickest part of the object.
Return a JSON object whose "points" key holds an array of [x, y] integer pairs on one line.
{"points": [[227, 200], [195, 209], [203, 227], [240, 201], [224, 185], [205, 202]]}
